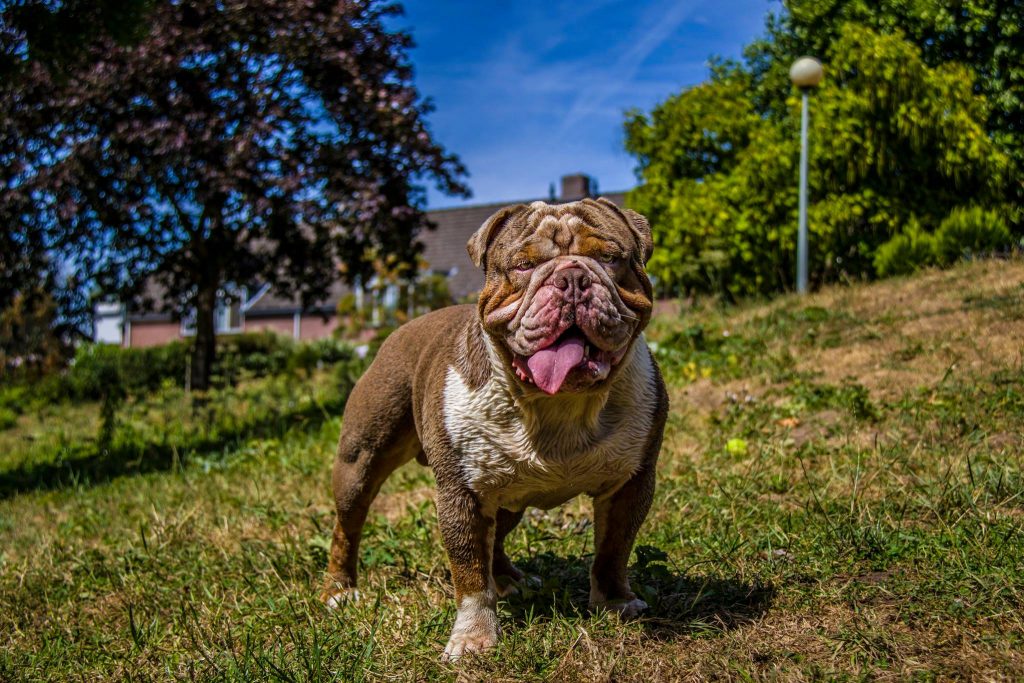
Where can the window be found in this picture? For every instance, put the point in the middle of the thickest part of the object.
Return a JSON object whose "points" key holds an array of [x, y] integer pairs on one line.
{"points": [[227, 316]]}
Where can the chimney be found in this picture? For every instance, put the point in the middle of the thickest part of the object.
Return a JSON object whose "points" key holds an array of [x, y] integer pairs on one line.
{"points": [[577, 186]]}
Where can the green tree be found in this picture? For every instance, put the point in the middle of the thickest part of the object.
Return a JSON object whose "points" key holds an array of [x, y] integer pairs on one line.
{"points": [[987, 36], [893, 140], [31, 342]]}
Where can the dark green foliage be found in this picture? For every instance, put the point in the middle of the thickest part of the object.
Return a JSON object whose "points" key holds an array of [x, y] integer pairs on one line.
{"points": [[101, 371], [966, 232], [972, 231], [911, 249]]}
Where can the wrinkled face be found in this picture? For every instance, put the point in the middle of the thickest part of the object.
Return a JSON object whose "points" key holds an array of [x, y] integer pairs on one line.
{"points": [[566, 292]]}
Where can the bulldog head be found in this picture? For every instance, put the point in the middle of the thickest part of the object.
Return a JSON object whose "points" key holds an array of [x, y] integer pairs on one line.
{"points": [[565, 290]]}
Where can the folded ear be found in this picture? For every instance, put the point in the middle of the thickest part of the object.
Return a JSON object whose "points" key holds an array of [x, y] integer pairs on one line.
{"points": [[643, 232], [482, 238], [638, 224]]}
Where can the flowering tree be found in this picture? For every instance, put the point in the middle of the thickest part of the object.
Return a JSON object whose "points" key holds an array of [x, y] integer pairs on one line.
{"points": [[235, 141]]}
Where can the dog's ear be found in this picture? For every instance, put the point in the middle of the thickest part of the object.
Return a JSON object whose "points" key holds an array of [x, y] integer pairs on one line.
{"points": [[643, 232], [482, 238], [638, 224]]}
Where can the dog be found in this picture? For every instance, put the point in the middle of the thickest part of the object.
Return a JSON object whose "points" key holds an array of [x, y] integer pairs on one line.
{"points": [[542, 391]]}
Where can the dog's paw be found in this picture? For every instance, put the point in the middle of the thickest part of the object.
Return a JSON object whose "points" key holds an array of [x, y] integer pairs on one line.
{"points": [[464, 643], [476, 627], [336, 598], [626, 609]]}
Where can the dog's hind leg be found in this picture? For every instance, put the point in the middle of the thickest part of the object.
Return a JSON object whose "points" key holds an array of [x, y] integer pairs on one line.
{"points": [[376, 438]]}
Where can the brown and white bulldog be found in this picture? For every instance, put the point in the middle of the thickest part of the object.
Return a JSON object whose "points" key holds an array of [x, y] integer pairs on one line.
{"points": [[543, 391]]}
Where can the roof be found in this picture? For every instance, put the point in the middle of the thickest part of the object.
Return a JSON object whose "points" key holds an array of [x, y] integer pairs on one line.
{"points": [[267, 302], [444, 247]]}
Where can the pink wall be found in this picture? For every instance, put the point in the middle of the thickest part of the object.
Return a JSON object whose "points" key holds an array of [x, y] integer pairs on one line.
{"points": [[310, 326], [156, 333], [152, 333], [315, 327], [282, 325]]}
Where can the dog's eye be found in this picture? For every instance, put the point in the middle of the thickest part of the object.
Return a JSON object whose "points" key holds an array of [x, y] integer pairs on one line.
{"points": [[523, 267], [609, 258]]}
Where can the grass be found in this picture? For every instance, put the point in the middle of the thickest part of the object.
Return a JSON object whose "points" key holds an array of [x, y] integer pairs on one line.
{"points": [[60, 444], [841, 496]]}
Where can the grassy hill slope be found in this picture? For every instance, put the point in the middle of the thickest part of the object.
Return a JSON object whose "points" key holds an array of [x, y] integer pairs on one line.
{"points": [[841, 494]]}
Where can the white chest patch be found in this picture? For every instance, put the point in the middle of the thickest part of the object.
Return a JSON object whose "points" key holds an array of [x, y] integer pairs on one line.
{"points": [[544, 452]]}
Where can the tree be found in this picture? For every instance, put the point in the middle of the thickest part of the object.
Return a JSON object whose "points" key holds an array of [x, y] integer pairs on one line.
{"points": [[895, 143], [236, 142], [30, 342], [986, 36], [56, 33]]}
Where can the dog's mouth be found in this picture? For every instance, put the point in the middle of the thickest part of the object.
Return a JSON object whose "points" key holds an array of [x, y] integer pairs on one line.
{"points": [[549, 367]]}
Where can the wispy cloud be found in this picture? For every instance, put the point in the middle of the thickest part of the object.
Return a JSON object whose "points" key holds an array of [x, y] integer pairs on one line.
{"points": [[659, 22], [527, 92]]}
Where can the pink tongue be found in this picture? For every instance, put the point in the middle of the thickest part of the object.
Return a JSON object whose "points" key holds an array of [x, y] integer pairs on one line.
{"points": [[550, 366]]}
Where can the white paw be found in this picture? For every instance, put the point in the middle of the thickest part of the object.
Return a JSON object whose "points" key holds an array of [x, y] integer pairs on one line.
{"points": [[476, 627], [464, 643], [341, 597], [627, 609]]}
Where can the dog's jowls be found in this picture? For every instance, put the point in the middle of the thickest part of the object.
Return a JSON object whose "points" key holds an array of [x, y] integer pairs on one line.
{"points": [[543, 391]]}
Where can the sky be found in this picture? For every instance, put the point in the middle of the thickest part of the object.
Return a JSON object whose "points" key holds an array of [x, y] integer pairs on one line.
{"points": [[526, 92]]}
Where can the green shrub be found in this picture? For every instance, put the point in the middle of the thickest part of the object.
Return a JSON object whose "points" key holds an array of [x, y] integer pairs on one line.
{"points": [[970, 231], [255, 354], [8, 418], [906, 252], [106, 372], [13, 398], [99, 369]]}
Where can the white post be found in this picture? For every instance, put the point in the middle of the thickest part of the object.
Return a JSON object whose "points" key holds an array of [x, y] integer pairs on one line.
{"points": [[801, 239], [805, 73]]}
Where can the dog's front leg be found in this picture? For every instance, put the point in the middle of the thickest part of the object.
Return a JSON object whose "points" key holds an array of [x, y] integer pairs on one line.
{"points": [[617, 518], [468, 534]]}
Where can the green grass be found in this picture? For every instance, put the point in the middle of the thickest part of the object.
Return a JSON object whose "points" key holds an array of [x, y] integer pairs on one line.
{"points": [[869, 527]]}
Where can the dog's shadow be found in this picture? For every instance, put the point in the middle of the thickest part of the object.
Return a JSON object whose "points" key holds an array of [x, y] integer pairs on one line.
{"points": [[679, 603]]}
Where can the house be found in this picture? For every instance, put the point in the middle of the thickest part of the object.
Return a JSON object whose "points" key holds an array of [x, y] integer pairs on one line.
{"points": [[258, 309]]}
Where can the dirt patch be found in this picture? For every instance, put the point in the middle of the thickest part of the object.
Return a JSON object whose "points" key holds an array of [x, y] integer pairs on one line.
{"points": [[815, 426], [393, 506]]}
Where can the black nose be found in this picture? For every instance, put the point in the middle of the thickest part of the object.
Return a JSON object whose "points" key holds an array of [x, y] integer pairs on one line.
{"points": [[572, 280]]}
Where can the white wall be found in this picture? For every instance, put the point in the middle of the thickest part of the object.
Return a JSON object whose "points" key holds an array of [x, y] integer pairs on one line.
{"points": [[108, 323]]}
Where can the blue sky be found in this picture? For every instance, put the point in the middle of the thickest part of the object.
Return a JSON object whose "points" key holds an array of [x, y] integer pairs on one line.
{"points": [[529, 91]]}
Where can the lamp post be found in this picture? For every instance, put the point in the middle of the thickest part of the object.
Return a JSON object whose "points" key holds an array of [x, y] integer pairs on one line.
{"points": [[806, 73]]}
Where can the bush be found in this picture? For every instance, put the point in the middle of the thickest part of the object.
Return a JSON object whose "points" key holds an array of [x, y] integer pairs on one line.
{"points": [[8, 418], [13, 399], [99, 369], [105, 372], [906, 252], [970, 231]]}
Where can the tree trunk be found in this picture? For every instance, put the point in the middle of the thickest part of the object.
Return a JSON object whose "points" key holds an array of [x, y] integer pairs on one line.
{"points": [[204, 346]]}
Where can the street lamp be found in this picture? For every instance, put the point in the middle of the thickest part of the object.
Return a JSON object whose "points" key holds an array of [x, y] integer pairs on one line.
{"points": [[806, 73]]}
